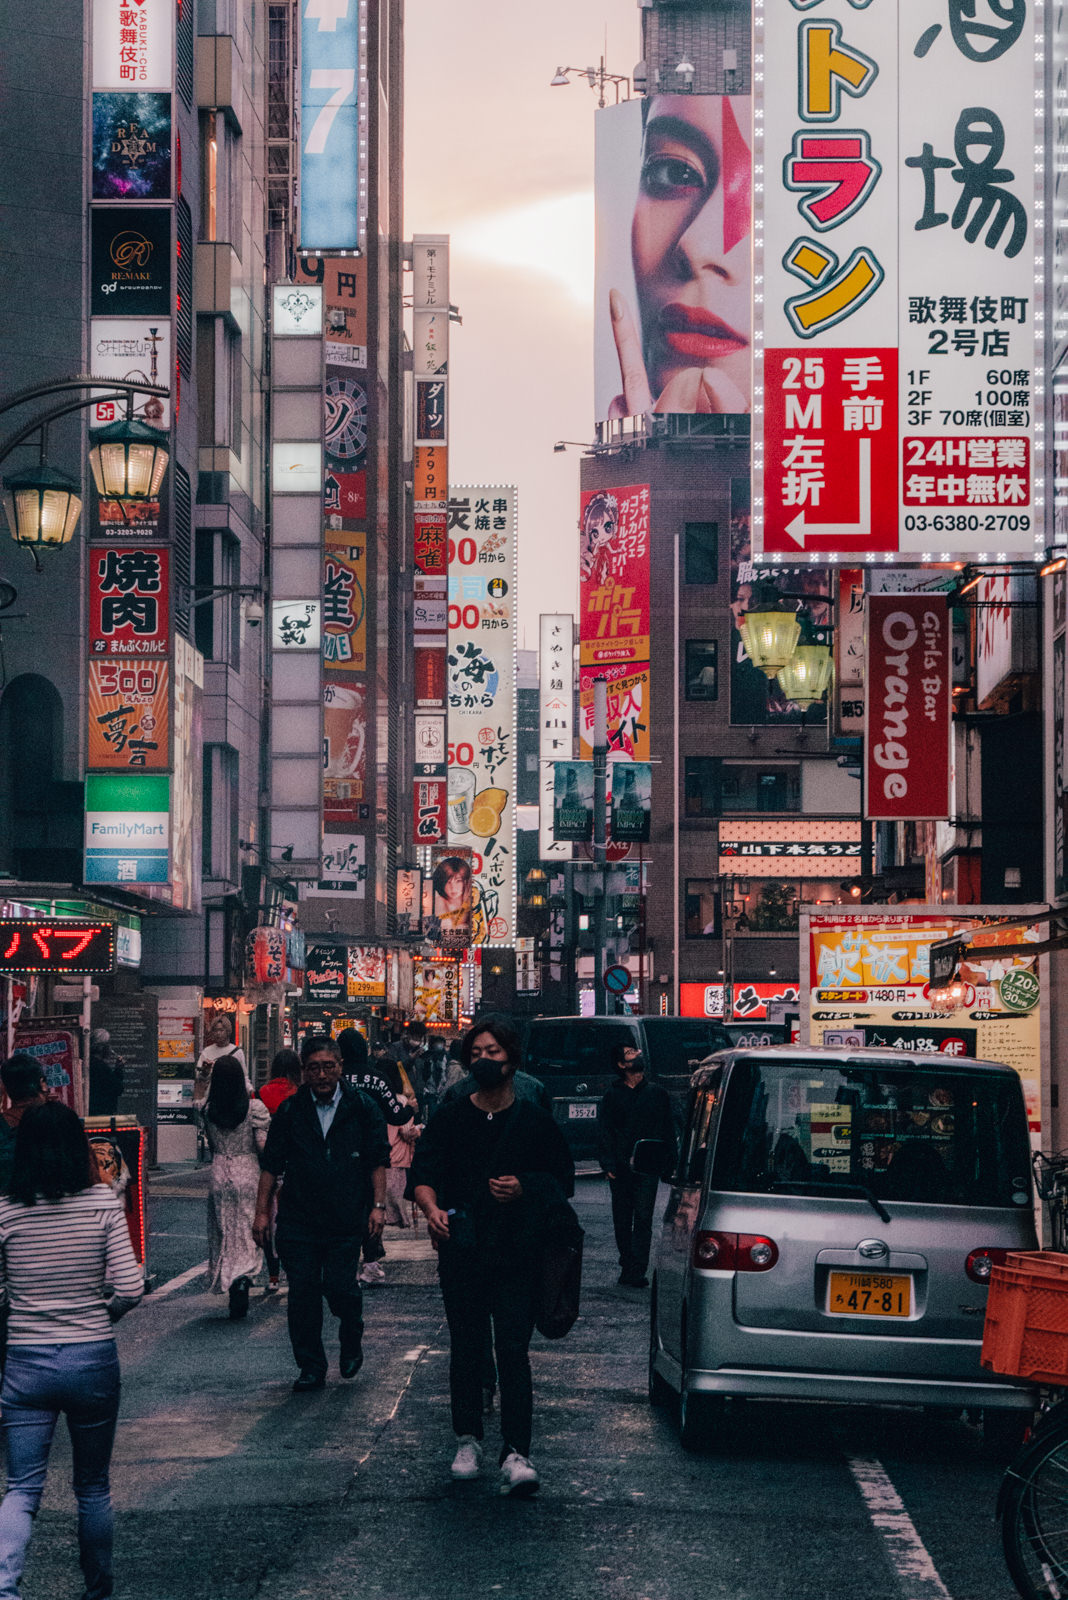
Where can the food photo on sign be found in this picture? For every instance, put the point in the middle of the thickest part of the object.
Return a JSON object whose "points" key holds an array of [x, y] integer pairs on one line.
{"points": [[673, 312]]}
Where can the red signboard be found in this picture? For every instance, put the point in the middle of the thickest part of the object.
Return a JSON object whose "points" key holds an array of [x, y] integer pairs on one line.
{"points": [[430, 543], [830, 431], [907, 724], [129, 606], [430, 824]]}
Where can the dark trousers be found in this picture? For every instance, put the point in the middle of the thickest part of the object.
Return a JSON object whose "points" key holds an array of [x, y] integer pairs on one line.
{"points": [[318, 1268], [481, 1294], [633, 1200]]}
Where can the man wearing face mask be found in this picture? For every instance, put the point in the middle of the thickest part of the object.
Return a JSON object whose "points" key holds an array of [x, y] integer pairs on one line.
{"points": [[632, 1109], [482, 1174]]}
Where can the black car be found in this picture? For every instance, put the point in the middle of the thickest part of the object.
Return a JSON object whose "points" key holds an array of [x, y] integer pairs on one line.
{"points": [[573, 1058]]}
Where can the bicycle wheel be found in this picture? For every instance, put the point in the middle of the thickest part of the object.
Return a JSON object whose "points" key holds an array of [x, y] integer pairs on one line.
{"points": [[1056, 1208], [1034, 1516]]}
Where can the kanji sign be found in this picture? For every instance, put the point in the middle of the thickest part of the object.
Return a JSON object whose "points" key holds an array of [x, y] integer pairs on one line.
{"points": [[129, 715], [133, 44], [899, 328], [430, 803], [129, 606], [344, 609], [480, 695], [555, 721]]}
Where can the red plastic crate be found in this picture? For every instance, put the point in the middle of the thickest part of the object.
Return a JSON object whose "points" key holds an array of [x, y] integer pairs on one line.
{"points": [[1026, 1330]]}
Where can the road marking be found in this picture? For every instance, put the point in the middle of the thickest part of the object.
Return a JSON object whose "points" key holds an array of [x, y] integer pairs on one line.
{"points": [[180, 1281], [908, 1554], [417, 1351]]}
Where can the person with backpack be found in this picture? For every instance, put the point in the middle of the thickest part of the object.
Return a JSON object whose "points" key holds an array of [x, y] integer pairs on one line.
{"points": [[483, 1174]]}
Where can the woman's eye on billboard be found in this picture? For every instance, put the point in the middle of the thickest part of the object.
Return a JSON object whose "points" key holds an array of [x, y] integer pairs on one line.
{"points": [[674, 183]]}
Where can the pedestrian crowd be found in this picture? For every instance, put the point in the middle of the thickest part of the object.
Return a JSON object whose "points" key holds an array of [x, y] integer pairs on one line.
{"points": [[304, 1175]]}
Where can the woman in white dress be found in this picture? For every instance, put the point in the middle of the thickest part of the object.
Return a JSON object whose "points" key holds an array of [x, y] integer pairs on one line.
{"points": [[236, 1128]]}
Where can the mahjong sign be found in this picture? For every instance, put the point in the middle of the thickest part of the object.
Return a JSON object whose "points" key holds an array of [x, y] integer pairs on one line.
{"points": [[897, 342]]}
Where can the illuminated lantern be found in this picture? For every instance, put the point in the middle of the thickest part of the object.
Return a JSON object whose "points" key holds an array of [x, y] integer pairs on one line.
{"points": [[265, 955]]}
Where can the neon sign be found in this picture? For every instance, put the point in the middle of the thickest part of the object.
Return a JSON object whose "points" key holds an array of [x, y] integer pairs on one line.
{"points": [[56, 944]]}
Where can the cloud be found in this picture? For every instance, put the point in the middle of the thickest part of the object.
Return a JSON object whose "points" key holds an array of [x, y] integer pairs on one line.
{"points": [[552, 238]]}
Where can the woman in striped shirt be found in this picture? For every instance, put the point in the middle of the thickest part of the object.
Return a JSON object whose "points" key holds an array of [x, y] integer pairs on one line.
{"points": [[67, 1272]]}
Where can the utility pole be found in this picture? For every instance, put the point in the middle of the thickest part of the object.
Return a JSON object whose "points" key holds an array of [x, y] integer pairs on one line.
{"points": [[600, 773]]}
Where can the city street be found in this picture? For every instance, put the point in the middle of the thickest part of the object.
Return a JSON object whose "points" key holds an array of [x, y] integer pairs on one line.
{"points": [[229, 1486]]}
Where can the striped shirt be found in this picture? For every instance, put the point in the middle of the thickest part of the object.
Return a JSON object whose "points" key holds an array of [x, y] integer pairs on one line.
{"points": [[67, 1268]]}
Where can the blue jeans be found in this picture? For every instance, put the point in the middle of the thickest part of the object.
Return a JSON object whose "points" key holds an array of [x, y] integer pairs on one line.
{"points": [[40, 1381]]}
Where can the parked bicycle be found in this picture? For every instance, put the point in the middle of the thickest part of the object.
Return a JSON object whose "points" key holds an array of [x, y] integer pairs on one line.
{"points": [[1033, 1510], [1051, 1180]]}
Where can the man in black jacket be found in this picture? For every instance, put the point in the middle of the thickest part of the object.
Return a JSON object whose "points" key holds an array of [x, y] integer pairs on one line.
{"points": [[632, 1109], [329, 1143]]}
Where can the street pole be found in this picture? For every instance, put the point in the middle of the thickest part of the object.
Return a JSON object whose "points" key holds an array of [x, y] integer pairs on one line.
{"points": [[600, 774]]}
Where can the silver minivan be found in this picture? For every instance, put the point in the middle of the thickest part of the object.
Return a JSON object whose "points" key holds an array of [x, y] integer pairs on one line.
{"points": [[830, 1231]]}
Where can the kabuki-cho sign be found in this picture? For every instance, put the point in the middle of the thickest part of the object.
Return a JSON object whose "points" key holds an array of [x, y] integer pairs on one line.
{"points": [[898, 228]]}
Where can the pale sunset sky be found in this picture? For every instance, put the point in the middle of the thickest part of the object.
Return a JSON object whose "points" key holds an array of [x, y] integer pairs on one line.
{"points": [[504, 164]]}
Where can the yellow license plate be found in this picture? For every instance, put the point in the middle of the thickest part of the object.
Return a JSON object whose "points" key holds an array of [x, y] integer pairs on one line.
{"points": [[869, 1294]]}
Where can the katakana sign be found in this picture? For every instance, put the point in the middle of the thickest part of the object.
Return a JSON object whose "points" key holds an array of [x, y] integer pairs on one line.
{"points": [[898, 399]]}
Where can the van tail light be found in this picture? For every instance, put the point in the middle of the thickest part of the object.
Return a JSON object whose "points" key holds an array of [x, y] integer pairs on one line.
{"points": [[733, 1252], [980, 1263]]}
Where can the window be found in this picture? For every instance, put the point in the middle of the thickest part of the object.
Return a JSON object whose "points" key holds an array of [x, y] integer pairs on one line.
{"points": [[701, 547], [923, 1134], [217, 623], [220, 813], [702, 669], [695, 1142], [702, 908], [717, 788], [703, 782]]}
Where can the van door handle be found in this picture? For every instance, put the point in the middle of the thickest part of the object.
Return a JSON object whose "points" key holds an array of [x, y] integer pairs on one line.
{"points": [[581, 1088]]}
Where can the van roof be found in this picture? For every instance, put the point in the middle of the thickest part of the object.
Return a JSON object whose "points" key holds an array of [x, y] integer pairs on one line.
{"points": [[865, 1056]]}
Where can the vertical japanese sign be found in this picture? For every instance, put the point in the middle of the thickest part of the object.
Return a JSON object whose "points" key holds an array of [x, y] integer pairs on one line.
{"points": [[909, 719], [430, 361], [333, 124], [129, 601], [344, 614], [556, 721], [614, 575], [480, 684], [133, 44], [898, 347]]}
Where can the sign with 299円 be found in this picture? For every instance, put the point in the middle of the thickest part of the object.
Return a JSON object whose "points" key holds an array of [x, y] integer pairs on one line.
{"points": [[896, 335]]}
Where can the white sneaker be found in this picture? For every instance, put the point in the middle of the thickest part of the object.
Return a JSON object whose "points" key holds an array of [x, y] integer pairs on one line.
{"points": [[372, 1272], [468, 1458], [518, 1476]]}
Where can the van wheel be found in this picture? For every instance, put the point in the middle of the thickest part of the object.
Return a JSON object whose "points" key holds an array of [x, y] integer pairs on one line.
{"points": [[1004, 1433], [659, 1389], [700, 1418]]}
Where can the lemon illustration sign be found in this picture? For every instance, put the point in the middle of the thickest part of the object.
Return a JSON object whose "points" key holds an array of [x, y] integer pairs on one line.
{"points": [[480, 694]]}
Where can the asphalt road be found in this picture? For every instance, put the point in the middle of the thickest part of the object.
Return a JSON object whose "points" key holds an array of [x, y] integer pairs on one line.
{"points": [[229, 1486]]}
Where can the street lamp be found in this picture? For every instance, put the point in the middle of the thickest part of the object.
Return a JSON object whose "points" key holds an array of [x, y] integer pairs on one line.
{"points": [[596, 77], [42, 507], [128, 460], [806, 677], [770, 638]]}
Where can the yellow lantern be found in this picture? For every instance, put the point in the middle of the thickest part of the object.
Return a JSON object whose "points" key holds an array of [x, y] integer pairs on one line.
{"points": [[770, 639]]}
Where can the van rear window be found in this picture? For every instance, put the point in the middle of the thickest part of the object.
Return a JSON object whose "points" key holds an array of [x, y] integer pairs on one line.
{"points": [[676, 1044], [943, 1137]]}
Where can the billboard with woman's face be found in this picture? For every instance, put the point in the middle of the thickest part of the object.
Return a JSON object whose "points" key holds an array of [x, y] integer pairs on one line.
{"points": [[673, 315]]}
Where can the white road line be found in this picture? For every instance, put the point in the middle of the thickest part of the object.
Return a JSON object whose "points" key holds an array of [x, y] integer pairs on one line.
{"points": [[179, 1282], [908, 1554]]}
